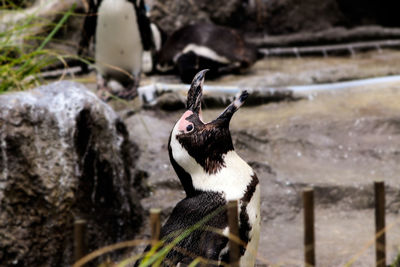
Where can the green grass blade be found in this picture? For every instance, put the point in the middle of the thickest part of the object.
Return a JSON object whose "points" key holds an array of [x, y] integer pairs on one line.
{"points": [[16, 64], [57, 27], [195, 262], [157, 258]]}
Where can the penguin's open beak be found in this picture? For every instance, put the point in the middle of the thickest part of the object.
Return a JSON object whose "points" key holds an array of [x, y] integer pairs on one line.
{"points": [[195, 92], [225, 117]]}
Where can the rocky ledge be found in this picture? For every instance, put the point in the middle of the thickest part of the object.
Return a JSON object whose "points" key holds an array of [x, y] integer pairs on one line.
{"points": [[64, 155]]}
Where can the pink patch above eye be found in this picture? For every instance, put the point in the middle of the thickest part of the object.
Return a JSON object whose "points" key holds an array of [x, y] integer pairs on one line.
{"points": [[183, 123]]}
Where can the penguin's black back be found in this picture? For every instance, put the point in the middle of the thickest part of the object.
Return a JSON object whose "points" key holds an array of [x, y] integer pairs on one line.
{"points": [[228, 51], [224, 41], [201, 242], [189, 64]]}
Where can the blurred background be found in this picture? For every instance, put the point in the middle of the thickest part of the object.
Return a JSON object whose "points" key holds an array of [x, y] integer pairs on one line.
{"points": [[324, 78]]}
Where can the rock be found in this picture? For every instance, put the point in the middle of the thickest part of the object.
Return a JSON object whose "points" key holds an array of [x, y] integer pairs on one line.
{"points": [[171, 15], [64, 155], [276, 16], [291, 16], [171, 101], [228, 12], [373, 12]]}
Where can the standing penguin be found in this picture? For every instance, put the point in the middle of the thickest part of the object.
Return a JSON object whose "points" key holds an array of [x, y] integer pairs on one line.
{"points": [[211, 173], [122, 33]]}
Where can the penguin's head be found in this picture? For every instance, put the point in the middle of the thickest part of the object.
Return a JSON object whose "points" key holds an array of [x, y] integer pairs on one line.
{"points": [[196, 146]]}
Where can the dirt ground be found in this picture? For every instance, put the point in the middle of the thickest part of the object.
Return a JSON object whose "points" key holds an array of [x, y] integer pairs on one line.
{"points": [[338, 142]]}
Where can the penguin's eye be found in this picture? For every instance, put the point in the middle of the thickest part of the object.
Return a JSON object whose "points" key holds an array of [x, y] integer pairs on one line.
{"points": [[189, 128]]}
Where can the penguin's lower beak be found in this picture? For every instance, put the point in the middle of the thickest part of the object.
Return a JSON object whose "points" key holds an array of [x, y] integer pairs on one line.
{"points": [[195, 92], [225, 117]]}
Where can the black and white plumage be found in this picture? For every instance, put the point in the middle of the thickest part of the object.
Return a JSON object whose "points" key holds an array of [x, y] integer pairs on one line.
{"points": [[211, 173], [122, 32], [206, 46], [150, 57]]}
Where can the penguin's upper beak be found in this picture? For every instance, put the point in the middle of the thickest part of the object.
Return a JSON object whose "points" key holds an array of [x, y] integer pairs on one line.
{"points": [[195, 92], [225, 117]]}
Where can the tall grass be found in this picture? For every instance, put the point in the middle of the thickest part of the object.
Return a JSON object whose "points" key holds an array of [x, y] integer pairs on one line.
{"points": [[20, 61]]}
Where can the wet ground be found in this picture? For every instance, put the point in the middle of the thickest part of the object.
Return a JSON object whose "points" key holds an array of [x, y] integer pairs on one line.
{"points": [[278, 72], [338, 142]]}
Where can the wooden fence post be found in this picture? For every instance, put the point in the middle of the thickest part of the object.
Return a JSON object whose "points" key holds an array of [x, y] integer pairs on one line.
{"points": [[233, 223], [380, 241], [309, 237], [155, 225], [79, 239]]}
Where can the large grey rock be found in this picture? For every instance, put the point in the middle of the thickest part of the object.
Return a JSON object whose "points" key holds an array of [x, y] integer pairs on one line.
{"points": [[171, 15], [64, 155], [276, 16], [291, 16]]}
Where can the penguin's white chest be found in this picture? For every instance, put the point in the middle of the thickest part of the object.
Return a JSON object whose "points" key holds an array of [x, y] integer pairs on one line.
{"points": [[118, 42], [253, 210], [233, 181]]}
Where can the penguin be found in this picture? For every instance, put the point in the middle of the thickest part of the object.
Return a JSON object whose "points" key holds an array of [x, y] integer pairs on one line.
{"points": [[198, 46], [150, 57], [211, 173], [122, 31]]}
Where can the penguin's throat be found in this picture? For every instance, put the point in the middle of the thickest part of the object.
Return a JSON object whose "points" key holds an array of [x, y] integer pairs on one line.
{"points": [[231, 178]]}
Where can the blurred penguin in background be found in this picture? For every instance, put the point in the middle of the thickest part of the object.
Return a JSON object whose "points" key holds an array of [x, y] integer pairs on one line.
{"points": [[192, 48], [122, 32], [150, 56]]}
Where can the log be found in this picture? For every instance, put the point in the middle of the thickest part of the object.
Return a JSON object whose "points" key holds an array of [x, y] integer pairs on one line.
{"points": [[380, 241], [80, 243], [309, 232], [155, 225], [331, 36], [335, 49]]}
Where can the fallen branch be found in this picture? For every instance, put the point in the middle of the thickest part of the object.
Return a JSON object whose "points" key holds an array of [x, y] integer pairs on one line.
{"points": [[219, 95], [326, 50], [215, 96], [331, 36]]}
